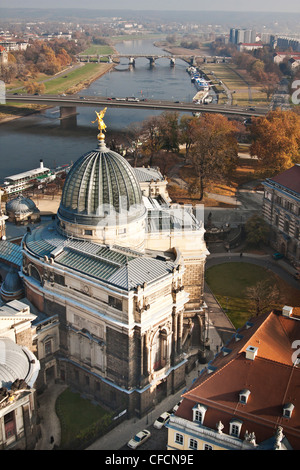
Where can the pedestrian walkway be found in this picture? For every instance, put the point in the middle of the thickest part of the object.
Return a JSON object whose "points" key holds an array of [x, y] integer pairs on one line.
{"points": [[50, 424]]}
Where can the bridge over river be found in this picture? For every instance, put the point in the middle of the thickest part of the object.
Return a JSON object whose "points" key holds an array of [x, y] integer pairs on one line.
{"points": [[68, 105], [190, 59]]}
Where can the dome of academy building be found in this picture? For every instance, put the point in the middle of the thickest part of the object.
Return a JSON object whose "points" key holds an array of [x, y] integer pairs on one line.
{"points": [[21, 209], [102, 200]]}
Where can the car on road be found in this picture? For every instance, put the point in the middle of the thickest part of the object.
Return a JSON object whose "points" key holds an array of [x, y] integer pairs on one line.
{"points": [[139, 439], [277, 256], [162, 420], [297, 276]]}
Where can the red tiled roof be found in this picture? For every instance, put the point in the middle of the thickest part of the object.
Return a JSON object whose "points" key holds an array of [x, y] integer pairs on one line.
{"points": [[290, 178], [271, 377]]}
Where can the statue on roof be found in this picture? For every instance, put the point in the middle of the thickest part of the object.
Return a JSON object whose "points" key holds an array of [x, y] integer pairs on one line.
{"points": [[101, 124]]}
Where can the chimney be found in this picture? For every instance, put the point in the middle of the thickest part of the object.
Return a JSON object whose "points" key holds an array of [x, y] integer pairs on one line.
{"points": [[41, 164], [251, 352]]}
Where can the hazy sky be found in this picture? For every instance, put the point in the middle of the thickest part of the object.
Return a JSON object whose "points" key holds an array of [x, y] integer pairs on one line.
{"points": [[197, 5]]}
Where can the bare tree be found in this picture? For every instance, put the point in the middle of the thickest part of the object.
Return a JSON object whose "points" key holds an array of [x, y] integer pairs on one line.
{"points": [[263, 296]]}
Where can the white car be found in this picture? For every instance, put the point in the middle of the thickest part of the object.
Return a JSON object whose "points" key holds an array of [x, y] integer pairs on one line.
{"points": [[139, 438], [162, 420]]}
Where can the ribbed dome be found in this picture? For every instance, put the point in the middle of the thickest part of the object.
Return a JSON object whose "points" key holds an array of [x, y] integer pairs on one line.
{"points": [[21, 205], [100, 183]]}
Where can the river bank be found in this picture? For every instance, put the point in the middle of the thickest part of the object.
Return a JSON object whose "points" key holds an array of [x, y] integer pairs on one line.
{"points": [[67, 84]]}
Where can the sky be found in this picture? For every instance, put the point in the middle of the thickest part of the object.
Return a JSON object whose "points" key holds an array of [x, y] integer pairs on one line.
{"points": [[178, 5]]}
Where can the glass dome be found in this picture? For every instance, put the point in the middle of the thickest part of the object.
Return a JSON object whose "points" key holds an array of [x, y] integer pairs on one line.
{"points": [[99, 184]]}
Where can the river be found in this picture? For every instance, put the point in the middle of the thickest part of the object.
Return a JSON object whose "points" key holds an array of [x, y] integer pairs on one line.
{"points": [[24, 141]]}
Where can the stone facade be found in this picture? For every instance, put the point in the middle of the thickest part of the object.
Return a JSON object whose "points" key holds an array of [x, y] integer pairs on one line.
{"points": [[281, 209]]}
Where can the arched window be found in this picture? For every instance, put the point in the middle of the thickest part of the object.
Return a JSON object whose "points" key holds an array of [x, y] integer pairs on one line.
{"points": [[159, 350], [35, 273]]}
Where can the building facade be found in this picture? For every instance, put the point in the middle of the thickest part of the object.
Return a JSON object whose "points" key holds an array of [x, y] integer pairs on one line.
{"points": [[227, 408], [281, 209], [123, 272], [19, 370]]}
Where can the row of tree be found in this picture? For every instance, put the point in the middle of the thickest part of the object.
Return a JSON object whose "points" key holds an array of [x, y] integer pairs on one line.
{"points": [[211, 143], [47, 57]]}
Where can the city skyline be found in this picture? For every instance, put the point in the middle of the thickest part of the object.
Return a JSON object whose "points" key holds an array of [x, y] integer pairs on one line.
{"points": [[172, 5]]}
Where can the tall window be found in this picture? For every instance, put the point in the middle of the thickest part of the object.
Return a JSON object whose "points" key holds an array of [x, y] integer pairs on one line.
{"points": [[199, 413], [235, 427], [48, 347], [159, 350], [9, 424]]}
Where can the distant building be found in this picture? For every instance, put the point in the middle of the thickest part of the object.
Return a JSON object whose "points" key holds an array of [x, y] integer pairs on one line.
{"points": [[247, 397], [3, 56], [286, 42], [278, 57], [249, 46], [237, 36], [281, 209]]}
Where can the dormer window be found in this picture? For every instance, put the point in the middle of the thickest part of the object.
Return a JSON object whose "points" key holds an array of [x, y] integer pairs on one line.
{"points": [[243, 396], [288, 410], [199, 413], [235, 427]]}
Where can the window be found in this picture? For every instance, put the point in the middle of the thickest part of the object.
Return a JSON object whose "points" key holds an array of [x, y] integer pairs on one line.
{"points": [[88, 232], [48, 347], [115, 303], [193, 444], [179, 438], [207, 447], [235, 427], [288, 410], [244, 395], [9, 425], [199, 413], [286, 226]]}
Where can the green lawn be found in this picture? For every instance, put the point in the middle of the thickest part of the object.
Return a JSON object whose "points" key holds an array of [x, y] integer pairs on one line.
{"points": [[228, 282], [76, 415], [233, 79]]}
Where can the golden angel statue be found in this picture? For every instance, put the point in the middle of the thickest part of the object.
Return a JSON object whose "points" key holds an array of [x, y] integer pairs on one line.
{"points": [[99, 119]]}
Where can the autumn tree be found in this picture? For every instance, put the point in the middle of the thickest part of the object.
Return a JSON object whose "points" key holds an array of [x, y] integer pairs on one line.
{"points": [[275, 141], [214, 151], [169, 131], [186, 132], [257, 230], [263, 297], [150, 138], [35, 87]]}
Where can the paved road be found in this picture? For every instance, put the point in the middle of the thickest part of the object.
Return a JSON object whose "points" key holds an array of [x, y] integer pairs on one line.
{"points": [[74, 100]]}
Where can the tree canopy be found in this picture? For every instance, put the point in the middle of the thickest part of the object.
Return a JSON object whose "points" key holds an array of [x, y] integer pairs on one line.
{"points": [[276, 141]]}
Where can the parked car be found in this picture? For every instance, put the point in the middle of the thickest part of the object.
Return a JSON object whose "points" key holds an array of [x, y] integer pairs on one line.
{"points": [[161, 421], [175, 408], [139, 439], [277, 255]]}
